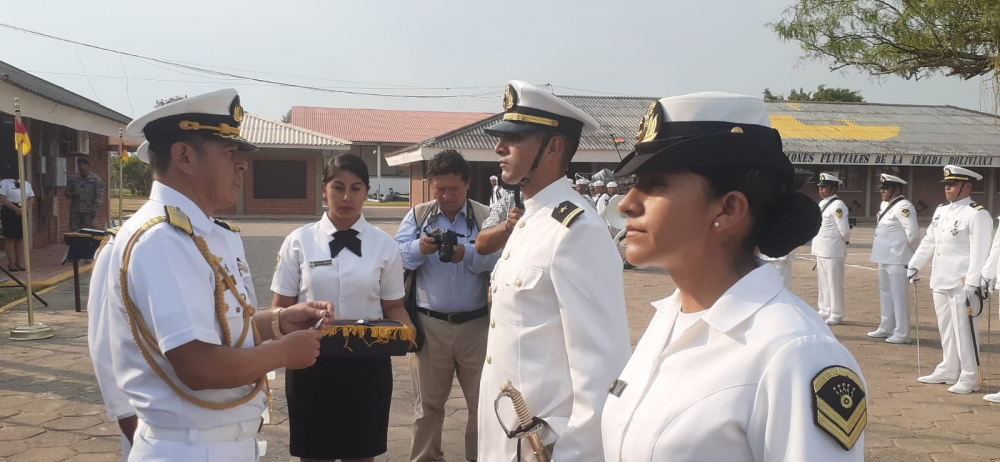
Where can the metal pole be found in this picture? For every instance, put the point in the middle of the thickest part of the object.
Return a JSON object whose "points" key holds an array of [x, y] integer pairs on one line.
{"points": [[32, 331], [121, 173]]}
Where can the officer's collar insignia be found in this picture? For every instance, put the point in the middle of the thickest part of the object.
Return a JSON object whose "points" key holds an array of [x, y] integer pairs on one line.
{"points": [[839, 405], [227, 225], [178, 219], [509, 98], [236, 110], [649, 127], [566, 213]]}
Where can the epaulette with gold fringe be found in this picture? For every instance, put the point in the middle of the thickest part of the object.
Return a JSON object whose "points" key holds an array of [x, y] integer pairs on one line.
{"points": [[227, 225], [381, 337]]}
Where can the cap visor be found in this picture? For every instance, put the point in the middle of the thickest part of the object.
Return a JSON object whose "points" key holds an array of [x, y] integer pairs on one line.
{"points": [[508, 127], [631, 164], [242, 143]]}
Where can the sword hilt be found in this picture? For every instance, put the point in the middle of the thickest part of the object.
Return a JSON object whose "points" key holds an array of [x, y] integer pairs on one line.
{"points": [[520, 407]]}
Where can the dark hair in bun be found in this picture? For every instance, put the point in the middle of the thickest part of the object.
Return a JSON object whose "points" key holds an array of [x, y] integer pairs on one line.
{"points": [[349, 163], [783, 218]]}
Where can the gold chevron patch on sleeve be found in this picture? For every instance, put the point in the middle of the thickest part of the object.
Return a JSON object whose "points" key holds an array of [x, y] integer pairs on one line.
{"points": [[839, 405]]}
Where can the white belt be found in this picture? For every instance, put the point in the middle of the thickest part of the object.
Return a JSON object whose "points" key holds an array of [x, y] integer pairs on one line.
{"points": [[232, 432]]}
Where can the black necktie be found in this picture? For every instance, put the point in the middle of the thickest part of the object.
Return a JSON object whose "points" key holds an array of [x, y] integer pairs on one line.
{"points": [[348, 239]]}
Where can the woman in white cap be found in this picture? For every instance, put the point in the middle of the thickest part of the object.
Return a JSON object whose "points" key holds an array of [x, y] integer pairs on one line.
{"points": [[733, 366]]}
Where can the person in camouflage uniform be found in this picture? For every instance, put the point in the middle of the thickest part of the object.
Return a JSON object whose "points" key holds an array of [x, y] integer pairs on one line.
{"points": [[86, 194]]}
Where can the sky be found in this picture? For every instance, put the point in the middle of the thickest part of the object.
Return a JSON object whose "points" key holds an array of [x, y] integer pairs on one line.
{"points": [[472, 48]]}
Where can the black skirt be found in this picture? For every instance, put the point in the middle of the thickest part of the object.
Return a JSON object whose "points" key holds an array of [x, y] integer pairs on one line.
{"points": [[11, 223], [339, 408]]}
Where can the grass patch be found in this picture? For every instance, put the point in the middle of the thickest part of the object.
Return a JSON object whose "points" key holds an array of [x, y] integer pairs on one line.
{"points": [[388, 204], [11, 294], [129, 205]]}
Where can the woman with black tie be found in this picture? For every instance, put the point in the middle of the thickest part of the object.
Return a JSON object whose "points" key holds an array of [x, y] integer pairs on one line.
{"points": [[339, 408], [10, 219]]}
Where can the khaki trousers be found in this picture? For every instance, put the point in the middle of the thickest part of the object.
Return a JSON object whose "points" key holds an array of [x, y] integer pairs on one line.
{"points": [[449, 350]]}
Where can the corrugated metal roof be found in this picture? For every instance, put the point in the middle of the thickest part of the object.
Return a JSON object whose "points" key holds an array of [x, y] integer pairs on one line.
{"points": [[52, 92], [264, 132], [805, 127], [381, 126]]}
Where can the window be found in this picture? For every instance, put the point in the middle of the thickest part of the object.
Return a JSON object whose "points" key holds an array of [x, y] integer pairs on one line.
{"points": [[853, 176], [279, 179]]}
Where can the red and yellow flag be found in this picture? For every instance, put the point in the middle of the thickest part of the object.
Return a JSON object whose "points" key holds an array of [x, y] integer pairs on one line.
{"points": [[21, 141]]}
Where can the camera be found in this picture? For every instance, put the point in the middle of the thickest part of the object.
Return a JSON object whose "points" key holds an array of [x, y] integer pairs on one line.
{"points": [[446, 241]]}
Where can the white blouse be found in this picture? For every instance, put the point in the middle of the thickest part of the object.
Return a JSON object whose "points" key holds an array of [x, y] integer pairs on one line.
{"points": [[355, 285], [10, 189]]}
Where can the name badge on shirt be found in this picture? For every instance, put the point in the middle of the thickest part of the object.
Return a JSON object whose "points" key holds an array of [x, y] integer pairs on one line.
{"points": [[314, 264], [617, 387]]}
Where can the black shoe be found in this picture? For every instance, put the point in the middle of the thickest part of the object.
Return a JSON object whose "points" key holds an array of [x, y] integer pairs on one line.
{"points": [[628, 265]]}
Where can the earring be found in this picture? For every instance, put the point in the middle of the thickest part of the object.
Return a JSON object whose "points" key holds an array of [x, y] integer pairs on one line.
{"points": [[716, 224]]}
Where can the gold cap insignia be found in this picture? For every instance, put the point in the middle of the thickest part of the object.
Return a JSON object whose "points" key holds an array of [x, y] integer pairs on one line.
{"points": [[650, 125], [736, 130], [882, 178], [947, 172], [237, 110], [839, 404], [822, 177], [509, 98]]}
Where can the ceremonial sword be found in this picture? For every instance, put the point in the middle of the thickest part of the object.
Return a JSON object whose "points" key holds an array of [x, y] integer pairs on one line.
{"points": [[972, 330], [529, 426]]}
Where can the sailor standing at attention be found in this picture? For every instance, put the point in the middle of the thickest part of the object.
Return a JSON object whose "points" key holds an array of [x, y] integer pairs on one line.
{"points": [[897, 235], [830, 249]]}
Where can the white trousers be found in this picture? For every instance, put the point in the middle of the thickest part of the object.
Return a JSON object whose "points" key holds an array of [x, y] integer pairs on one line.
{"points": [[126, 448], [830, 272], [148, 449], [894, 296], [958, 353]]}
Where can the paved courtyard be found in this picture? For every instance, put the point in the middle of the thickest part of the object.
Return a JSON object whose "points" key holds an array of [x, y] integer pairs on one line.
{"points": [[51, 410]]}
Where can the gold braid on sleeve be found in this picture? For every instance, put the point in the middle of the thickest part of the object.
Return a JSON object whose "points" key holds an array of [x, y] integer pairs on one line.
{"points": [[145, 340]]}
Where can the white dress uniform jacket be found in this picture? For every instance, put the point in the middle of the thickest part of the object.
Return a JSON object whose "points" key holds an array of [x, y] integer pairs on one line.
{"points": [[558, 328], [736, 385], [958, 239], [99, 340], [355, 285], [897, 234], [835, 232], [173, 288]]}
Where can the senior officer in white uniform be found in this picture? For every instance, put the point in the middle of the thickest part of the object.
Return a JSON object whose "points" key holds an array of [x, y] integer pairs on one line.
{"points": [[558, 327], [733, 366], [897, 235], [958, 239], [185, 340], [830, 248]]}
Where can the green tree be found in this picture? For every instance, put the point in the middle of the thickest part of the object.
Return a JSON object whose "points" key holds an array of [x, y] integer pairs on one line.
{"points": [[164, 102], [908, 38], [822, 94], [138, 176], [287, 118]]}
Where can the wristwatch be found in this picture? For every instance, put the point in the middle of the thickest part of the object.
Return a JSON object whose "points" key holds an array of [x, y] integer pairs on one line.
{"points": [[276, 324]]}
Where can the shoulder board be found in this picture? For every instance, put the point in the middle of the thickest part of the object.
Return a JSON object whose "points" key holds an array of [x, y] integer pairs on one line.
{"points": [[178, 219], [227, 225], [114, 231], [976, 206], [943, 204], [566, 213]]}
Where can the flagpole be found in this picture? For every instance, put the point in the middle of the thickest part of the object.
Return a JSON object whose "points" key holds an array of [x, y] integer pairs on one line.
{"points": [[32, 331], [121, 173]]}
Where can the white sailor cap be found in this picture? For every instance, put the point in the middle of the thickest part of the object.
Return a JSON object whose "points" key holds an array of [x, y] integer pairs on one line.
{"points": [[706, 130], [829, 179], [529, 109], [493, 178], [217, 114], [582, 182], [956, 173], [597, 184], [887, 178], [612, 184], [143, 152]]}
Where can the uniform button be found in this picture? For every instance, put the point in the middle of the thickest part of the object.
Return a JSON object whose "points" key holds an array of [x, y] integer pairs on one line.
{"points": [[520, 225], [489, 359], [506, 255], [493, 323], [517, 283], [238, 309]]}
